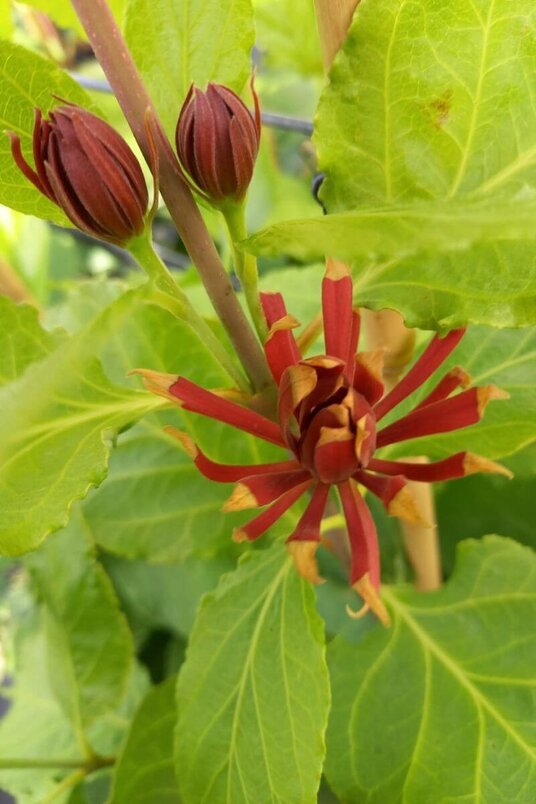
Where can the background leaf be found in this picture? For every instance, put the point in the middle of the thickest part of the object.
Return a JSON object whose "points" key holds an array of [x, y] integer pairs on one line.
{"points": [[441, 705], [253, 692], [22, 340], [146, 761], [62, 12], [89, 644], [435, 105], [186, 41], [52, 436], [28, 81]]}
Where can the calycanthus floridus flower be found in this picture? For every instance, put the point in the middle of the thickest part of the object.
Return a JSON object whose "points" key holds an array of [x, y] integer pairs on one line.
{"points": [[330, 410]]}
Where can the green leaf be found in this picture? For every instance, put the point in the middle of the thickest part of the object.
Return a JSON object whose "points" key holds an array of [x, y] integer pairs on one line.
{"points": [[89, 644], [440, 706], [146, 761], [478, 265], [189, 41], [63, 13], [22, 341], [28, 81], [35, 726], [505, 358], [398, 230], [57, 420], [432, 103], [432, 107], [253, 693]]}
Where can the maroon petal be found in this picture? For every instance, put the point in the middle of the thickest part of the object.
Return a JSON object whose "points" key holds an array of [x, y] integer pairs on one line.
{"points": [[458, 465], [260, 524], [222, 472], [337, 296], [365, 566], [280, 347], [368, 375], [199, 400], [262, 489], [433, 356], [395, 495], [308, 527], [454, 413], [455, 378]]}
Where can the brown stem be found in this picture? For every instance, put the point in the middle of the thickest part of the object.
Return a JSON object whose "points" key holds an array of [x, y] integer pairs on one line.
{"points": [[118, 65], [385, 329]]}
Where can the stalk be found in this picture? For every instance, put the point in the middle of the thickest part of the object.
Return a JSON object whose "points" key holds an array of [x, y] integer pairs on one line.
{"points": [[116, 61], [169, 295], [245, 265]]}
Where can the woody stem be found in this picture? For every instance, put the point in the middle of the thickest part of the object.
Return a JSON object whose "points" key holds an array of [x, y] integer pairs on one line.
{"points": [[245, 265], [116, 61], [169, 295]]}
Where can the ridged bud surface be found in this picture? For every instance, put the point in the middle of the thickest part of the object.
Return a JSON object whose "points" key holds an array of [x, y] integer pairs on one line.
{"points": [[85, 167], [217, 142]]}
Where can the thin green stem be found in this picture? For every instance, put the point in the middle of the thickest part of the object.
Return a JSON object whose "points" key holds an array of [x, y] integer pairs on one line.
{"points": [[245, 265], [169, 295]]}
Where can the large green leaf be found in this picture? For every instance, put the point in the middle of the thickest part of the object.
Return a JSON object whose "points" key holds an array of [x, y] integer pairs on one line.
{"points": [[56, 421], [22, 341], [28, 81], [253, 693], [426, 131], [89, 644], [185, 41], [431, 101], [440, 707], [287, 35], [35, 726], [506, 358], [145, 764]]}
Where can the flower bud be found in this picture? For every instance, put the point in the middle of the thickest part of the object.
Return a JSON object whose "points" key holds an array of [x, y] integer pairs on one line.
{"points": [[85, 167], [217, 142]]}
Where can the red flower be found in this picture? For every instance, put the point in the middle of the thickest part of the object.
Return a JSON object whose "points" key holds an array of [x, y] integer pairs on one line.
{"points": [[217, 141], [85, 167], [329, 413]]}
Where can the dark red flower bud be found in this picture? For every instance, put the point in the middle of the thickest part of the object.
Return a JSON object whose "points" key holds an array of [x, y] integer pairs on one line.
{"points": [[218, 141], [85, 167]]}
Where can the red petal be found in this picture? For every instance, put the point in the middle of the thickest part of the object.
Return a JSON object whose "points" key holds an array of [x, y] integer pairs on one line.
{"points": [[454, 413], [280, 347], [455, 378], [308, 527], [199, 400], [361, 533], [259, 490], [395, 495], [337, 295], [260, 524], [433, 356], [227, 473], [335, 457], [458, 465], [368, 375]]}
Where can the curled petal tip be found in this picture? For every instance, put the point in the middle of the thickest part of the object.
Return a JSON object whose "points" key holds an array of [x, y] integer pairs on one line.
{"points": [[464, 379], [357, 615], [335, 269], [282, 325], [304, 556], [187, 442], [404, 506], [475, 463], [157, 382], [240, 499], [488, 393], [239, 536], [365, 589]]}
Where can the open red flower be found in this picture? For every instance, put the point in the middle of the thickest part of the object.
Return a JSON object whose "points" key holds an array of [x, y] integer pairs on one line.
{"points": [[329, 413]]}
